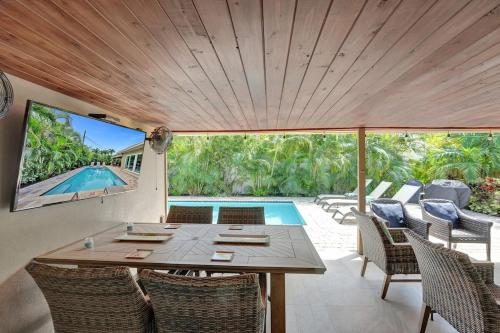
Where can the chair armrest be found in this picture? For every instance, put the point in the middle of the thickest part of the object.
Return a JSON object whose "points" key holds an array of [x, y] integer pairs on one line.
{"points": [[440, 228], [419, 226], [486, 270], [476, 225], [398, 235], [402, 252]]}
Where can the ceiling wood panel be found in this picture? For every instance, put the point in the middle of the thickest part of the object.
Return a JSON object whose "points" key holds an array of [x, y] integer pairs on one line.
{"points": [[247, 23], [233, 65], [217, 21], [184, 16], [452, 21], [341, 17], [309, 19], [278, 16], [404, 16], [367, 26]]}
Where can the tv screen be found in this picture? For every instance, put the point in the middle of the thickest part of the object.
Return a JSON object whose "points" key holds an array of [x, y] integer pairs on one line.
{"points": [[68, 157]]}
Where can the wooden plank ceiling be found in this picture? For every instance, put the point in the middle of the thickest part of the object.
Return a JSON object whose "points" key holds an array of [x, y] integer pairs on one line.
{"points": [[211, 65]]}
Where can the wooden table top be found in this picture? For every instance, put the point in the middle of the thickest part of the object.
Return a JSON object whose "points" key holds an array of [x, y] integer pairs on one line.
{"points": [[289, 251]]}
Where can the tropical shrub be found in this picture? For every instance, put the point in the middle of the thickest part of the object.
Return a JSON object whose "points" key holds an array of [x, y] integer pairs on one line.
{"points": [[486, 196]]}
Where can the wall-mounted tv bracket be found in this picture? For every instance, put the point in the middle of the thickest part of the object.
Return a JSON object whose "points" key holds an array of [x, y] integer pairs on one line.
{"points": [[104, 116]]}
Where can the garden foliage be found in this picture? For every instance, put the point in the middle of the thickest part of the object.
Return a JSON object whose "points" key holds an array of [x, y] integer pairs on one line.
{"points": [[305, 165], [54, 147]]}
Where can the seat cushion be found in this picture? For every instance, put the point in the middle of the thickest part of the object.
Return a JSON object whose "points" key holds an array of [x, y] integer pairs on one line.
{"points": [[443, 210], [392, 212], [464, 234]]}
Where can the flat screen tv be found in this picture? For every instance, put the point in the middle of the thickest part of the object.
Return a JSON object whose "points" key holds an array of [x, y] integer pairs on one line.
{"points": [[68, 157]]}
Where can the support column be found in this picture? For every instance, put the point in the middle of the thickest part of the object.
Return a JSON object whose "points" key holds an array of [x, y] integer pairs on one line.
{"points": [[361, 179], [165, 186]]}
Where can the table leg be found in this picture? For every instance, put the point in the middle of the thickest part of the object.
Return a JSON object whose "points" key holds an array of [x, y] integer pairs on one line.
{"points": [[278, 319]]}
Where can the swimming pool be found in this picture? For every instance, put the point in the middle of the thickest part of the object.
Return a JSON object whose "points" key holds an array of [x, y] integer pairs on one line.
{"points": [[282, 212], [92, 178]]}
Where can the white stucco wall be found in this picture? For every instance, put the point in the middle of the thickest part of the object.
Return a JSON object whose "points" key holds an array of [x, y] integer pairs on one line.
{"points": [[24, 235]]}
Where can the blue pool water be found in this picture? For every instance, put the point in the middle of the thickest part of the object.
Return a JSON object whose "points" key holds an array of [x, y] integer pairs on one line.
{"points": [[92, 178], [283, 212]]}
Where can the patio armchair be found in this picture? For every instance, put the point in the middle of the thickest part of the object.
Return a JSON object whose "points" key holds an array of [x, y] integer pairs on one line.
{"points": [[93, 299], [400, 213], [461, 291], [320, 198], [241, 215], [467, 229], [205, 304], [387, 248], [190, 214]]}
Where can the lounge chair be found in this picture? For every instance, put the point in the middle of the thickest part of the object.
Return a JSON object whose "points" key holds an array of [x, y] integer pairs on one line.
{"points": [[377, 192], [350, 195], [405, 193], [462, 291], [93, 299], [205, 304]]}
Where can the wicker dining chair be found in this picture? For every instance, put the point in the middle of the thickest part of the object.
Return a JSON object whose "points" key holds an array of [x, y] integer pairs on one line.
{"points": [[205, 304], [461, 291], [470, 229], [190, 214], [420, 226], [241, 215], [93, 300], [387, 248]]}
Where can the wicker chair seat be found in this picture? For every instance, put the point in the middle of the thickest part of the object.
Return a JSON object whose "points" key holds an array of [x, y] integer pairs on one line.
{"points": [[464, 235]]}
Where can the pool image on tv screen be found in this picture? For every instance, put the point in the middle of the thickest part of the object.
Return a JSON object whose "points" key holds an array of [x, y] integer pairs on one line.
{"points": [[68, 157]]}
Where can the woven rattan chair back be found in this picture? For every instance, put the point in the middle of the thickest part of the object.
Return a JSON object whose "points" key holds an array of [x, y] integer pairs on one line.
{"points": [[202, 304], [190, 214], [373, 239], [241, 215], [94, 300], [453, 288]]}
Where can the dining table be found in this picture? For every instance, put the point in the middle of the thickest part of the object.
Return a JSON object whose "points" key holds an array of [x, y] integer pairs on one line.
{"points": [[191, 247]]}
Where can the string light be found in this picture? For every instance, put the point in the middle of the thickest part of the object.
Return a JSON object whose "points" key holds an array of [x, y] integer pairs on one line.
{"points": [[324, 136], [490, 136], [284, 135], [407, 135], [245, 137], [448, 135], [208, 138]]}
